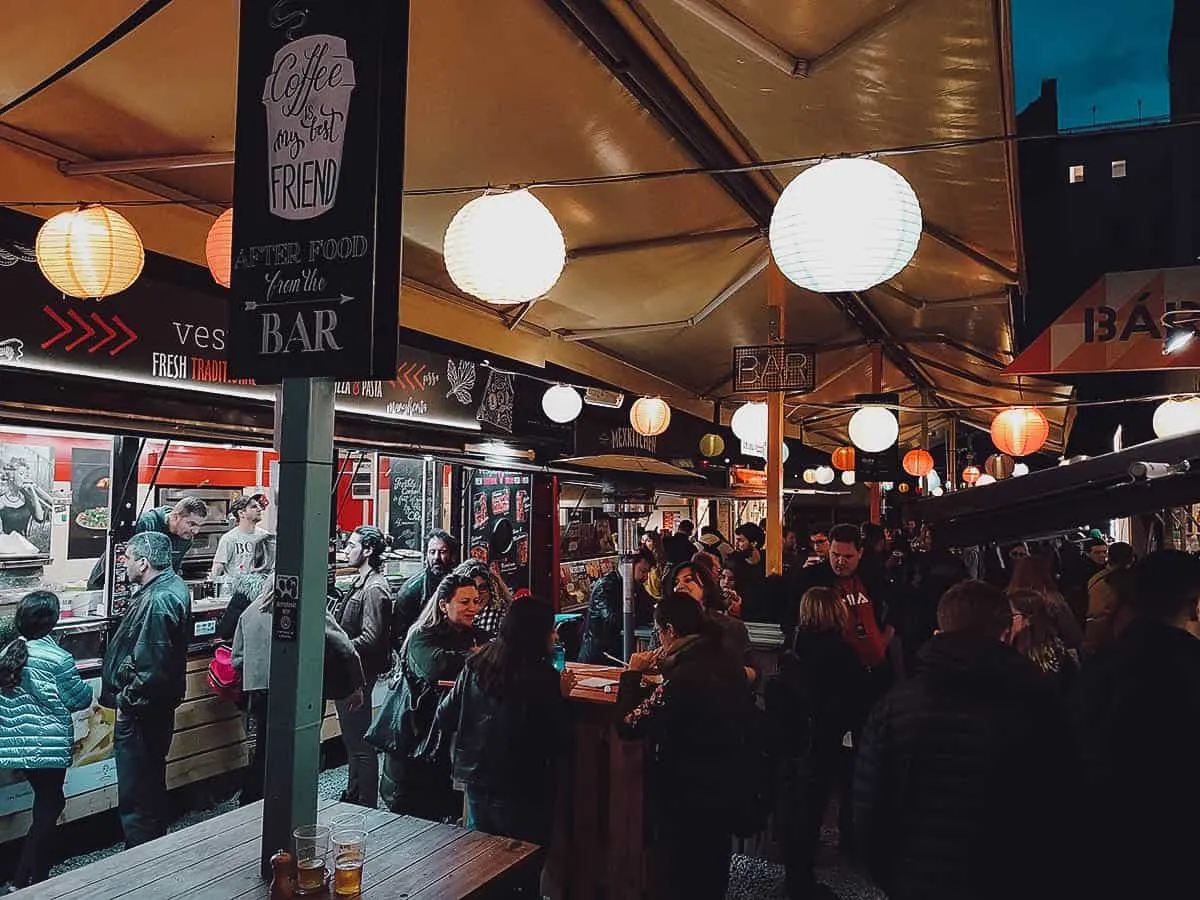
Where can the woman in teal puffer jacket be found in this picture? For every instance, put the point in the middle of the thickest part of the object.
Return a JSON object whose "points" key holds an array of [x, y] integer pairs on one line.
{"points": [[39, 689]]}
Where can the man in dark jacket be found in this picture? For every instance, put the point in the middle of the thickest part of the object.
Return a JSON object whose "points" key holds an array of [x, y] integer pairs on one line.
{"points": [[1136, 712], [441, 556], [179, 523], [604, 627], [144, 680], [965, 787], [364, 612]]}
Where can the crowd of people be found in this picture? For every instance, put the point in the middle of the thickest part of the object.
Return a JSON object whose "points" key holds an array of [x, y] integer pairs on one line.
{"points": [[1017, 729]]}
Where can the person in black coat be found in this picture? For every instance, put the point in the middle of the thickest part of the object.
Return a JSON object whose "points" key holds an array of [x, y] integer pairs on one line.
{"points": [[696, 719], [416, 770], [816, 697], [603, 631], [1136, 713], [441, 556], [966, 777]]}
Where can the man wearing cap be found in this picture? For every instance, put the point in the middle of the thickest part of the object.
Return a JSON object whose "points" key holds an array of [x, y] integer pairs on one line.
{"points": [[364, 612], [144, 680]]}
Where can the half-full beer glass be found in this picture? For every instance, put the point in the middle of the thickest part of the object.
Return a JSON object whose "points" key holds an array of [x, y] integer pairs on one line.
{"points": [[312, 854], [349, 853]]}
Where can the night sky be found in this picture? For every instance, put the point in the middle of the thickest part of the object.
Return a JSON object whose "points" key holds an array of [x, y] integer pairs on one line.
{"points": [[1106, 53]]}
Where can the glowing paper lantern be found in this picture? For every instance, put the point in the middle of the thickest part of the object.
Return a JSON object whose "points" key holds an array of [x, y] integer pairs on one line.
{"points": [[873, 429], [845, 225], [650, 416], [971, 474], [918, 463], [843, 459], [712, 445], [937, 491], [985, 479], [561, 403], [1177, 416], [933, 480], [825, 475], [848, 477], [904, 487], [504, 248], [810, 476], [218, 248], [1020, 430], [749, 423], [1020, 469], [999, 466], [90, 253]]}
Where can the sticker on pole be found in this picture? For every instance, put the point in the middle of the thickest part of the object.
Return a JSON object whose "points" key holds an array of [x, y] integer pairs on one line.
{"points": [[287, 607]]}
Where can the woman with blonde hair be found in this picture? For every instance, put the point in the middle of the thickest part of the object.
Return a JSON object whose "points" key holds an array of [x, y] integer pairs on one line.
{"points": [[819, 693], [653, 542]]}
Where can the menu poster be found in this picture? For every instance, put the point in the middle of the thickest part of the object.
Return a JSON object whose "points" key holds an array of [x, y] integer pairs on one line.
{"points": [[405, 501], [26, 504], [499, 504], [91, 472]]}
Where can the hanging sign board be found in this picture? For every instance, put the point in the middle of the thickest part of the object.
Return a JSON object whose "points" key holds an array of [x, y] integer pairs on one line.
{"points": [[774, 367], [1121, 324], [318, 184]]}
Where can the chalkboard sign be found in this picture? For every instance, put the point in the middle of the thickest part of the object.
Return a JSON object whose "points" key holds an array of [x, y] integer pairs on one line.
{"points": [[406, 484]]}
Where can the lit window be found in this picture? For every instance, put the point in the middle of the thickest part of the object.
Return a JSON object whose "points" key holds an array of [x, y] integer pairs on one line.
{"points": [[1118, 168], [1075, 174]]}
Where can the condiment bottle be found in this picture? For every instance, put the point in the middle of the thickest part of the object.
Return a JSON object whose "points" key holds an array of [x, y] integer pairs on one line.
{"points": [[283, 876]]}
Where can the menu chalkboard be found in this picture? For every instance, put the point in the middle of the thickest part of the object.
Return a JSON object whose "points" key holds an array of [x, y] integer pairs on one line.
{"points": [[406, 487]]}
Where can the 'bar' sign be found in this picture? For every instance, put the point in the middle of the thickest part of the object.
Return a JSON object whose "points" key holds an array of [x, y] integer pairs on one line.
{"points": [[774, 367], [318, 178]]}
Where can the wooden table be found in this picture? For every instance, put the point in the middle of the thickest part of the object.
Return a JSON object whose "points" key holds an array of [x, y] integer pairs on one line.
{"points": [[219, 860]]}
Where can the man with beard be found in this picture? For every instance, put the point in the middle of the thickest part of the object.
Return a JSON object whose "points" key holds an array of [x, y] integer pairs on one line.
{"points": [[441, 556]]}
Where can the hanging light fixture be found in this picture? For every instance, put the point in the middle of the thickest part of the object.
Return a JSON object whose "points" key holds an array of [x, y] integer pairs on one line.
{"points": [[971, 474], [848, 477], [712, 445], [1177, 416], [937, 491], [561, 403], [91, 252], [810, 476], [218, 248], [1020, 469], [918, 463], [843, 459], [650, 416], [874, 428], [825, 475], [845, 225], [1020, 430], [985, 479], [504, 248], [999, 466], [904, 488], [933, 479], [749, 423]]}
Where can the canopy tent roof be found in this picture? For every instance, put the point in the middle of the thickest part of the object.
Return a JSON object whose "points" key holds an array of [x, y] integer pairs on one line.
{"points": [[665, 275]]}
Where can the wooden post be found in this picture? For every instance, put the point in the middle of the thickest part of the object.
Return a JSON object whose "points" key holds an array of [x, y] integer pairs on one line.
{"points": [[876, 388], [777, 301]]}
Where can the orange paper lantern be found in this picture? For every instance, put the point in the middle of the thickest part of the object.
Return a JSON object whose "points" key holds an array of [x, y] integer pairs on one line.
{"points": [[971, 474], [1020, 430], [218, 248], [999, 466], [843, 459], [91, 252], [918, 463]]}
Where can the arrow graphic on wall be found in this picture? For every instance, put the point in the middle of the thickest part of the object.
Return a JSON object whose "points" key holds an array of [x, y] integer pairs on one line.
{"points": [[409, 375], [87, 332], [339, 300]]}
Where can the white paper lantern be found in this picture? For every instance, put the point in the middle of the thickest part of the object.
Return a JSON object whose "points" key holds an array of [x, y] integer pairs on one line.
{"points": [[873, 429], [1177, 416], [1020, 469], [650, 416], [985, 478], [937, 491], [561, 403], [749, 423], [504, 248], [845, 225], [848, 477], [810, 476], [933, 480], [825, 474]]}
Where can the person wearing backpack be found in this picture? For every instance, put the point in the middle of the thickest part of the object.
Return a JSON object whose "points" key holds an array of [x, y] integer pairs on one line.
{"points": [[696, 721], [817, 696], [39, 689], [251, 658]]}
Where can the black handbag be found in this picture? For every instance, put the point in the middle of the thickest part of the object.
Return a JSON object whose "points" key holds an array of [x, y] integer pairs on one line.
{"points": [[407, 722]]}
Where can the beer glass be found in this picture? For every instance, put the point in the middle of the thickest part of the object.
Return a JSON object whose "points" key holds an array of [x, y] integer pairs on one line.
{"points": [[312, 852], [349, 853], [348, 822]]}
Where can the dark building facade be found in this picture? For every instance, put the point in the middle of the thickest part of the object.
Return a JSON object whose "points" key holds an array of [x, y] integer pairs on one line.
{"points": [[1115, 200]]}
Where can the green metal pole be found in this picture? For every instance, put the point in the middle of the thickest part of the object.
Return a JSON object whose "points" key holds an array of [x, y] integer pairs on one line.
{"points": [[295, 705]]}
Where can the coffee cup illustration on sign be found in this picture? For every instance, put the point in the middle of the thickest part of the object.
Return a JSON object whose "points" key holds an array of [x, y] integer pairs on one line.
{"points": [[307, 100]]}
